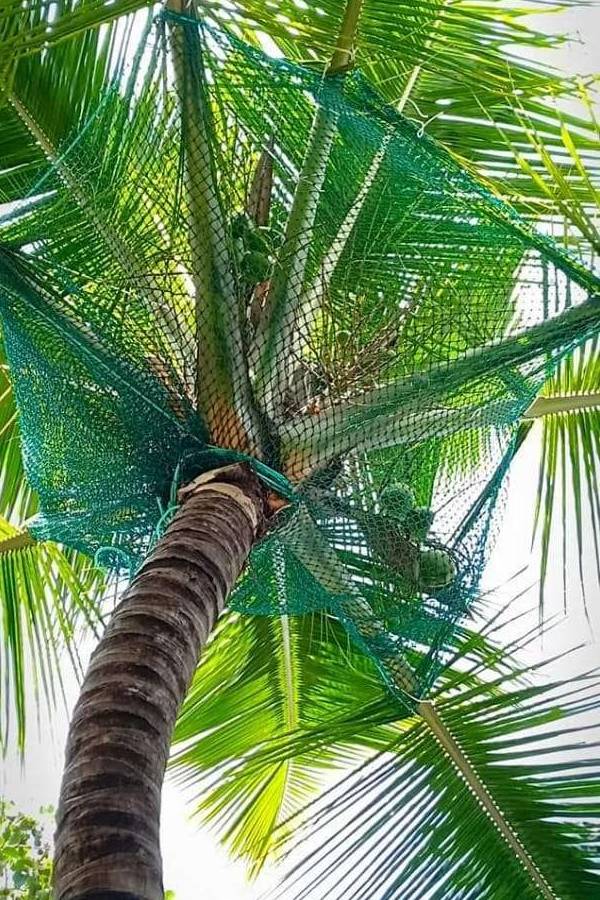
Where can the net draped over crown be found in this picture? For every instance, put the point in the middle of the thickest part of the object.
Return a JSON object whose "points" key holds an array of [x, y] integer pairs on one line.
{"points": [[232, 232]]}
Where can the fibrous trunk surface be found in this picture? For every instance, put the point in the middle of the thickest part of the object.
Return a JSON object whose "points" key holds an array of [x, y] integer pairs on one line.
{"points": [[107, 838]]}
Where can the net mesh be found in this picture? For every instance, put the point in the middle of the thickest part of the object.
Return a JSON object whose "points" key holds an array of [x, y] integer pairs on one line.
{"points": [[250, 260]]}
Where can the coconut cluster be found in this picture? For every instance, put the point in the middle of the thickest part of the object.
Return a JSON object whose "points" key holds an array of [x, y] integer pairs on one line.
{"points": [[398, 535]]}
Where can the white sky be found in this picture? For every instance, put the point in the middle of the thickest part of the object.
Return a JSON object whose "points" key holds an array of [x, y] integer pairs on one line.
{"points": [[195, 865]]}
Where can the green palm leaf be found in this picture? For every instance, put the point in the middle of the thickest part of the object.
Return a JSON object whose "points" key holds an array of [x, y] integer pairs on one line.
{"points": [[569, 492], [569, 496], [445, 61], [415, 828], [46, 596], [265, 726], [31, 28], [49, 95], [264, 682]]}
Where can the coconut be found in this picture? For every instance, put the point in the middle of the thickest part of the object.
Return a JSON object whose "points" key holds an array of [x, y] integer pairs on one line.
{"points": [[436, 570], [418, 523], [397, 500]]}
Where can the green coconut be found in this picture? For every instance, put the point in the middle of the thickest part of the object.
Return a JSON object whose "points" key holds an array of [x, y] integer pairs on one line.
{"points": [[240, 226], [418, 523], [397, 500], [437, 570]]}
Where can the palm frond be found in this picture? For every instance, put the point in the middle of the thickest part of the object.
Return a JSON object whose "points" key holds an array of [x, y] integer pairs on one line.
{"points": [[380, 416], [46, 596], [445, 60], [568, 496], [265, 729], [447, 64], [569, 492], [413, 824], [222, 381], [264, 682], [567, 178], [59, 90], [32, 28]]}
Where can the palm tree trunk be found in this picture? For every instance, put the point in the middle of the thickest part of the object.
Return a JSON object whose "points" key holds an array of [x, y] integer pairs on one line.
{"points": [[107, 837]]}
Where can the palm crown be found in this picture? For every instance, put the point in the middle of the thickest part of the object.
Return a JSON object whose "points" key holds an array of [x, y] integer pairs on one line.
{"points": [[249, 260]]}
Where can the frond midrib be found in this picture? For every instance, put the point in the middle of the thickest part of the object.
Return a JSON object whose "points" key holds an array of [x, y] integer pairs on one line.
{"points": [[477, 786]]}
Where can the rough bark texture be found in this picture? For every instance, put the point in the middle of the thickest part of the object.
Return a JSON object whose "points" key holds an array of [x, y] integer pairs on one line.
{"points": [[107, 838]]}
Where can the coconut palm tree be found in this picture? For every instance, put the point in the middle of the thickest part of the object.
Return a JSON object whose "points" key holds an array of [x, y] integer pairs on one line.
{"points": [[248, 309]]}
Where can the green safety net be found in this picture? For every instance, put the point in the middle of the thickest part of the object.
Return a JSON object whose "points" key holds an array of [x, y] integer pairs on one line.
{"points": [[251, 260]]}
